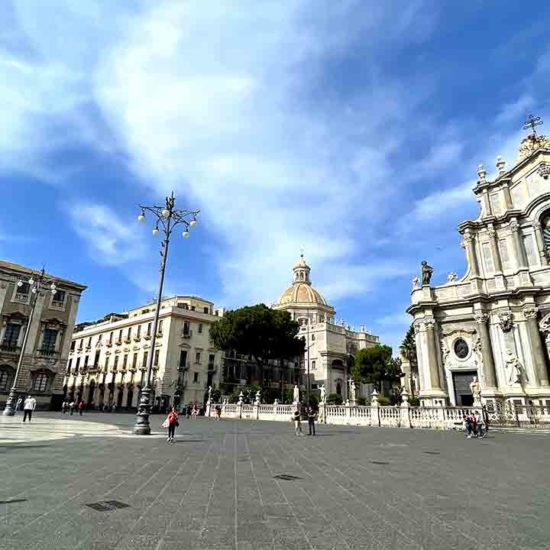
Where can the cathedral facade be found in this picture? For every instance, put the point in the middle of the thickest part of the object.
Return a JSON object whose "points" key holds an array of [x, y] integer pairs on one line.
{"points": [[494, 323], [330, 346]]}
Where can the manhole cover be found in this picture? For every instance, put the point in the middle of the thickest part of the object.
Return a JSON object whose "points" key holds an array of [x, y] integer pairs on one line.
{"points": [[107, 505], [432, 453], [286, 477], [379, 462]]}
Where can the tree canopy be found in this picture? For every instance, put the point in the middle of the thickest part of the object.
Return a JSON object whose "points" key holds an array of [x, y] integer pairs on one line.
{"points": [[408, 347], [259, 332], [375, 365]]}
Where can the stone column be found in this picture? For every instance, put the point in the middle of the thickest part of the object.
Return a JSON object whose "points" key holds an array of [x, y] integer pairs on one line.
{"points": [[494, 249], [540, 243], [489, 371], [521, 256], [539, 360], [468, 244], [435, 379]]}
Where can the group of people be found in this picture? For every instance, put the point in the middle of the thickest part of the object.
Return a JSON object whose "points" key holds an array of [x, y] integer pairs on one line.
{"points": [[297, 419], [72, 406], [475, 425]]}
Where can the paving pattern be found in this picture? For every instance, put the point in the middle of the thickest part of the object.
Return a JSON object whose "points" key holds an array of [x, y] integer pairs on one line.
{"points": [[254, 485]]}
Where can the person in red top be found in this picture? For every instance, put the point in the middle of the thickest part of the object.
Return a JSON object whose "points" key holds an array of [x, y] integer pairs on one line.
{"points": [[80, 407], [172, 420]]}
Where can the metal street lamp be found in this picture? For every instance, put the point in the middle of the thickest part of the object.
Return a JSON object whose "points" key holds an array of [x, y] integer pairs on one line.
{"points": [[38, 284], [166, 219]]}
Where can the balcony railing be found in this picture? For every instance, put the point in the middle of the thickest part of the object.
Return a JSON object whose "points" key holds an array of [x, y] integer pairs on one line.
{"points": [[21, 298], [127, 340], [187, 334], [184, 367], [47, 352], [10, 347]]}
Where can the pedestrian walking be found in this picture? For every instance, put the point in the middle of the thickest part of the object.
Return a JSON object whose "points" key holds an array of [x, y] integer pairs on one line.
{"points": [[218, 412], [311, 417], [80, 407], [473, 420], [71, 407], [485, 416], [195, 412], [64, 406], [468, 425], [18, 404], [28, 407], [171, 423], [297, 423]]}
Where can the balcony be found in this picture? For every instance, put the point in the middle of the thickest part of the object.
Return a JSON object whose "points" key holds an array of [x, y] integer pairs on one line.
{"points": [[147, 337], [184, 367], [187, 334], [47, 352], [21, 298], [9, 347], [212, 369], [109, 344]]}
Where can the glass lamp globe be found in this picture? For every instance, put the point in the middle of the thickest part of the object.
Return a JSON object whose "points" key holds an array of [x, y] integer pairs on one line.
{"points": [[155, 231], [166, 213], [185, 234], [193, 224], [31, 281], [141, 218], [33, 290], [19, 283]]}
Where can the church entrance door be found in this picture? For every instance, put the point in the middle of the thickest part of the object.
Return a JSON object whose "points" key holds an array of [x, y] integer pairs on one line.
{"points": [[461, 383]]}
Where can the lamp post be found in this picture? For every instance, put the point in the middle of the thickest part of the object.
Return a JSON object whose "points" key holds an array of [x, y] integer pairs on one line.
{"points": [[37, 285], [166, 219]]}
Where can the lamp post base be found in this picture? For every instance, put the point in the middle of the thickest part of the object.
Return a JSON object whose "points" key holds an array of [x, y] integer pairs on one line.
{"points": [[142, 426], [9, 409]]}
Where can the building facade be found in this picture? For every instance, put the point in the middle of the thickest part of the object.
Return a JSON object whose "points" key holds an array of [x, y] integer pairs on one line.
{"points": [[330, 347], [49, 340], [494, 323], [108, 358]]}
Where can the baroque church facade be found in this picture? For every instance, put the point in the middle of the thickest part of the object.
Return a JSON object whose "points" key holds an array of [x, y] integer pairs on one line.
{"points": [[330, 346], [494, 323]]}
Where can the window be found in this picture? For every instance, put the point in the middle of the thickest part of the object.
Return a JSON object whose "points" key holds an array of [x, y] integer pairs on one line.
{"points": [[129, 335], [200, 328], [107, 363], [96, 359], [183, 305], [206, 310], [134, 361], [192, 308], [80, 344], [530, 249], [69, 366], [313, 365], [4, 378], [120, 335], [156, 361], [195, 377], [138, 333], [89, 344], [148, 329], [11, 336], [313, 337], [77, 366], [145, 357], [73, 343], [504, 254], [116, 363], [23, 289], [125, 361], [99, 338], [85, 361], [58, 299], [211, 359], [186, 328], [50, 337], [40, 382], [487, 259], [110, 338], [198, 357], [183, 358], [161, 322]]}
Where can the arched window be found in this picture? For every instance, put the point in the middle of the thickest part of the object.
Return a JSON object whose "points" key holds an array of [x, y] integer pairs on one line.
{"points": [[545, 228], [338, 388], [4, 378], [40, 382]]}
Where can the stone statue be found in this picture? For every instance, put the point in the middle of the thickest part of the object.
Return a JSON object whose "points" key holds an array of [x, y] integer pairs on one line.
{"points": [[505, 321], [258, 396], [514, 366], [323, 393], [475, 387], [296, 392], [427, 273], [451, 277], [352, 396], [416, 282]]}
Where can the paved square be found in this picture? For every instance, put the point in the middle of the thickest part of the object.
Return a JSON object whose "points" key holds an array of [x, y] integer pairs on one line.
{"points": [[254, 485]]}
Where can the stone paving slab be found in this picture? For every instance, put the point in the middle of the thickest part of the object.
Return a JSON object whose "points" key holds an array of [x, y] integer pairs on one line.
{"points": [[218, 487]]}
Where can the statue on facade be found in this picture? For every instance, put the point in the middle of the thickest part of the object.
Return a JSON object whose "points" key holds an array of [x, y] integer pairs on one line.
{"points": [[323, 390], [296, 394], [475, 388], [427, 272], [505, 321], [514, 368], [415, 282]]}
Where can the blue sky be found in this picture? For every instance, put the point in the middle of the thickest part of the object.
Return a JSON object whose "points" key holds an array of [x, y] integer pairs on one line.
{"points": [[351, 129]]}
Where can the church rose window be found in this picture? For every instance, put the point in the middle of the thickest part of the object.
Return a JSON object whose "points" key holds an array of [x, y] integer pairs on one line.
{"points": [[461, 348]]}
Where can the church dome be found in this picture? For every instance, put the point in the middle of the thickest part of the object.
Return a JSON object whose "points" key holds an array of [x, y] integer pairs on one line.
{"points": [[301, 291]]}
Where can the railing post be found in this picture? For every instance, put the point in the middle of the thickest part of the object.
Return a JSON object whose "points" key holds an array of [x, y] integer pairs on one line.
{"points": [[256, 408], [375, 409], [347, 412], [275, 403], [405, 419]]}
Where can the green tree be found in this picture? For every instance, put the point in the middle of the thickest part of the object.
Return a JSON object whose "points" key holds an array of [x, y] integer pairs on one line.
{"points": [[408, 347], [259, 332], [334, 399], [376, 365]]}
